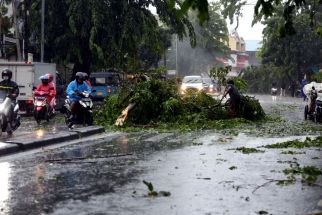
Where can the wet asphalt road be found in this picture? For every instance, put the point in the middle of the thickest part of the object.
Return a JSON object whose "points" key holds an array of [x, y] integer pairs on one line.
{"points": [[103, 174]]}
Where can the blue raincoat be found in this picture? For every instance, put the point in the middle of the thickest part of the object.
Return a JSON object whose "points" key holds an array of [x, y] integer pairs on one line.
{"points": [[75, 87]]}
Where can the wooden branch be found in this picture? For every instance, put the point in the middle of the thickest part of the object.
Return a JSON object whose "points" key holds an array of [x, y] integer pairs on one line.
{"points": [[121, 119], [281, 180]]}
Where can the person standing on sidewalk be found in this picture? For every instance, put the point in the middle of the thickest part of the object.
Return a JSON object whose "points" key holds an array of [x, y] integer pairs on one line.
{"points": [[283, 86]]}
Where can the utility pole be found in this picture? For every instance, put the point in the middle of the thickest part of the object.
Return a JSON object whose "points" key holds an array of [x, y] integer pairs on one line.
{"points": [[26, 28], [42, 30], [177, 54], [14, 10]]}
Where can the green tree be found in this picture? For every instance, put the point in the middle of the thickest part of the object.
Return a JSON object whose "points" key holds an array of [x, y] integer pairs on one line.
{"points": [[266, 9], [293, 54], [95, 34]]}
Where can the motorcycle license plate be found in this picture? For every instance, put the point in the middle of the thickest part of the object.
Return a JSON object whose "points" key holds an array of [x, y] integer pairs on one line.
{"points": [[39, 104]]}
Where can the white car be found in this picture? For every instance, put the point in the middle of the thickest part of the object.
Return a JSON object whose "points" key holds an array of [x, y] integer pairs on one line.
{"points": [[193, 82]]}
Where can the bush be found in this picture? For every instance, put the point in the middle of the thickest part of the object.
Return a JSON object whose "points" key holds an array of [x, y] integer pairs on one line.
{"points": [[251, 109], [159, 101]]}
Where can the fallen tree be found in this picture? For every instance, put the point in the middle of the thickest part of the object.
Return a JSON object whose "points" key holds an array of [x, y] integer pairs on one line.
{"points": [[156, 102]]}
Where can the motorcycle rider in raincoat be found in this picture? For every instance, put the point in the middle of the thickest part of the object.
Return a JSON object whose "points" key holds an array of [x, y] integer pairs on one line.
{"points": [[49, 90], [74, 90], [12, 90]]}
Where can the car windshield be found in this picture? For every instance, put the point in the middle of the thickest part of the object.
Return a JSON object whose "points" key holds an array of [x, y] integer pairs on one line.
{"points": [[192, 80], [207, 81]]}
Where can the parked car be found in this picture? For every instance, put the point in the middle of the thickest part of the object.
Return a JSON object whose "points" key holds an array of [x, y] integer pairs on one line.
{"points": [[105, 84], [193, 83], [210, 86]]}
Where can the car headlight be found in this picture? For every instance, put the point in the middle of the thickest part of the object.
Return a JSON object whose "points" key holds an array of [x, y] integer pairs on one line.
{"points": [[200, 87]]}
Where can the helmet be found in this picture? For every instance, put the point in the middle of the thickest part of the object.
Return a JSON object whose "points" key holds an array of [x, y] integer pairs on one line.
{"points": [[44, 79], [8, 73], [230, 82], [79, 76], [85, 76], [50, 77]]}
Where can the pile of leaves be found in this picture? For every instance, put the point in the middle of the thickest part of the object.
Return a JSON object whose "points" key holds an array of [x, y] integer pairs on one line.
{"points": [[308, 142], [158, 104]]}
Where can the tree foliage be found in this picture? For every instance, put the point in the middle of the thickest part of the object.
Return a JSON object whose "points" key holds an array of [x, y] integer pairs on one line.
{"points": [[293, 54], [116, 33], [265, 9]]}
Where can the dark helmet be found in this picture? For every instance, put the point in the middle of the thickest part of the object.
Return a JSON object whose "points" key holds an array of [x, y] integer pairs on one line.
{"points": [[230, 82], [79, 76], [8, 73]]}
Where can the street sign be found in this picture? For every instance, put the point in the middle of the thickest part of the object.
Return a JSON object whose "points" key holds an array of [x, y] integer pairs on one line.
{"points": [[8, 39]]}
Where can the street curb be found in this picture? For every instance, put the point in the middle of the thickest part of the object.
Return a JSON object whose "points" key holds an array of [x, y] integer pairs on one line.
{"points": [[9, 149], [20, 144], [88, 131]]}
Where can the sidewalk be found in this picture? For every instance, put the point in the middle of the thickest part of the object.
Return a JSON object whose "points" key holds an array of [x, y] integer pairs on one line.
{"points": [[41, 138]]}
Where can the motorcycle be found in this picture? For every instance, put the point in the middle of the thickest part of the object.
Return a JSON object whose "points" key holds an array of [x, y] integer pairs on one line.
{"points": [[42, 109], [274, 93], [9, 117], [84, 113], [316, 110]]}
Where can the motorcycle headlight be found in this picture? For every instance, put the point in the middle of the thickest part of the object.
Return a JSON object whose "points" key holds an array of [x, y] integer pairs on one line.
{"points": [[82, 103], [183, 87]]}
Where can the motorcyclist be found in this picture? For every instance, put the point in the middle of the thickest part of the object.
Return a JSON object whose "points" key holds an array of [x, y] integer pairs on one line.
{"points": [[312, 99], [52, 85], [48, 89], [86, 78], [12, 91], [74, 90], [234, 97]]}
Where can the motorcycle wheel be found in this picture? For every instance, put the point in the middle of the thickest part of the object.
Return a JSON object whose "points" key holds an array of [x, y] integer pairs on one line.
{"points": [[1, 123], [89, 119], [37, 115], [305, 112]]}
